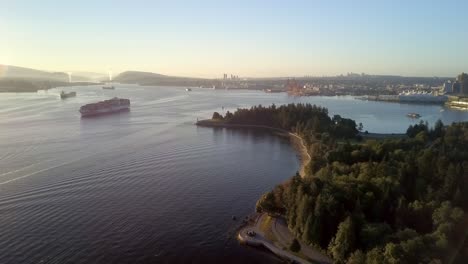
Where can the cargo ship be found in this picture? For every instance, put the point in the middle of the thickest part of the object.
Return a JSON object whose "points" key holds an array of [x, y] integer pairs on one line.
{"points": [[113, 105], [64, 95]]}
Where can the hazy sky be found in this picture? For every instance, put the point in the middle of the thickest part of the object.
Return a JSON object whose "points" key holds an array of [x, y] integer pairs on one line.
{"points": [[248, 38]]}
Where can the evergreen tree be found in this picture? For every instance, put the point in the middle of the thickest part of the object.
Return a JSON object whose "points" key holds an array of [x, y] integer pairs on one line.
{"points": [[295, 246], [344, 242]]}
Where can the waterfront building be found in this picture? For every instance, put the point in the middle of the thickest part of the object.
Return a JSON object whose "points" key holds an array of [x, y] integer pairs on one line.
{"points": [[293, 88], [421, 97]]}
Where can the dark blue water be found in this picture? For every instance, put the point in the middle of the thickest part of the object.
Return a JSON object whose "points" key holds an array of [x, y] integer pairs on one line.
{"points": [[147, 186]]}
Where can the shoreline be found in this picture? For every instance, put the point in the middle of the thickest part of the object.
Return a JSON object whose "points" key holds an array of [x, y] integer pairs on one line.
{"points": [[271, 232], [277, 238], [298, 141]]}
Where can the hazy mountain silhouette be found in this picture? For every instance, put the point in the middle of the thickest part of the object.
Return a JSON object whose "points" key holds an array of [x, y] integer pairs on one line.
{"points": [[21, 79], [150, 78], [9, 71]]}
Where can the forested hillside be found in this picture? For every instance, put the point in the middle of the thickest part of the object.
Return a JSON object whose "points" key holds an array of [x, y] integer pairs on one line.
{"points": [[309, 121], [368, 201], [149, 78]]}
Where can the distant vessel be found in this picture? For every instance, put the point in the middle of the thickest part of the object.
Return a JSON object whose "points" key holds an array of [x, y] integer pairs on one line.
{"points": [[413, 115], [105, 107], [64, 95], [188, 89], [272, 90]]}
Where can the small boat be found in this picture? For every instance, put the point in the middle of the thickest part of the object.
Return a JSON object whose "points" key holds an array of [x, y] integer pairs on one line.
{"points": [[64, 95], [188, 89], [413, 115]]}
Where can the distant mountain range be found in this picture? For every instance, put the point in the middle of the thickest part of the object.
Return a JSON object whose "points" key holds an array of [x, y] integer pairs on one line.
{"points": [[8, 71], [149, 78], [21, 79]]}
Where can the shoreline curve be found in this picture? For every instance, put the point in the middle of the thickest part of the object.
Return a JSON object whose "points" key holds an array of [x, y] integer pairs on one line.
{"points": [[298, 141]]}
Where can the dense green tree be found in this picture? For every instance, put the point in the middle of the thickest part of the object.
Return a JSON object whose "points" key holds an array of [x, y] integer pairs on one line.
{"points": [[357, 257], [360, 127], [228, 115], [295, 246], [267, 204], [438, 129], [376, 201], [414, 130], [393, 254], [375, 256], [217, 116], [344, 242], [446, 213], [374, 234]]}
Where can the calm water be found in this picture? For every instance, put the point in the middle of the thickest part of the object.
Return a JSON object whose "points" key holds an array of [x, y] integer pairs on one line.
{"points": [[147, 186]]}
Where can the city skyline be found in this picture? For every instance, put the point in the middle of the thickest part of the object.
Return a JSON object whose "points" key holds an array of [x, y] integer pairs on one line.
{"points": [[260, 39]]}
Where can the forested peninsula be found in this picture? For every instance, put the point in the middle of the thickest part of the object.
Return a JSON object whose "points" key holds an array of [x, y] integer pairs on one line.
{"points": [[396, 200]]}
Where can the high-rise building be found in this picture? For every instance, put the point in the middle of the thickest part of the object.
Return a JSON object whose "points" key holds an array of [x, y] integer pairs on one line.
{"points": [[448, 87], [456, 87], [463, 80]]}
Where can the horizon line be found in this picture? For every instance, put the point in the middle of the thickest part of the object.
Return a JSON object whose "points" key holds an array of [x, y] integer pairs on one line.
{"points": [[362, 74]]}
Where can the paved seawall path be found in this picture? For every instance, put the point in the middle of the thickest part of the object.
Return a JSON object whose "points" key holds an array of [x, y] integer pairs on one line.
{"points": [[273, 234]]}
